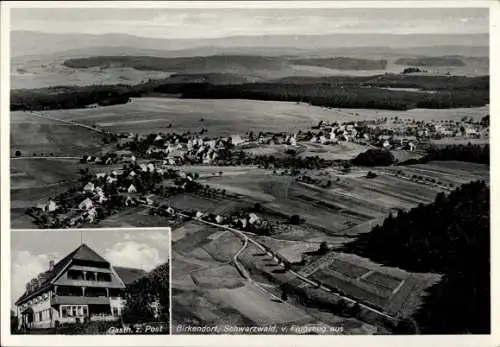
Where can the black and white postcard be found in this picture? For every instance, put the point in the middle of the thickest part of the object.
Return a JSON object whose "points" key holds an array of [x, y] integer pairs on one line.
{"points": [[249, 172]]}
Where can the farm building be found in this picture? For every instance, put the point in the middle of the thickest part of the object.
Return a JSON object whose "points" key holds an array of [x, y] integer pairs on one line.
{"points": [[86, 204], [83, 286], [253, 218], [89, 187], [132, 189], [237, 140], [52, 206]]}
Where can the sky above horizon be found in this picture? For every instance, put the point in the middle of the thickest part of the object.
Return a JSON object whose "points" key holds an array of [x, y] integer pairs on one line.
{"points": [[31, 251], [214, 23]]}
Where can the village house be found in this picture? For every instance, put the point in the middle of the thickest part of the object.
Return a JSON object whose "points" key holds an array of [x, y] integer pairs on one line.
{"points": [[86, 204], [132, 189], [51, 206], [253, 218], [82, 286], [237, 140], [89, 187]]}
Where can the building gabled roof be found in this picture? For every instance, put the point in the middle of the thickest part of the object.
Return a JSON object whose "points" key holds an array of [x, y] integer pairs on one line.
{"points": [[83, 252], [86, 253]]}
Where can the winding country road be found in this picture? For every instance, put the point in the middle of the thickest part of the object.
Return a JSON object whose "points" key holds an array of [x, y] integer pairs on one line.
{"points": [[296, 274]]}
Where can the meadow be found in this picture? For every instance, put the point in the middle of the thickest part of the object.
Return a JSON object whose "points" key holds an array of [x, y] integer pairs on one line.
{"points": [[227, 117]]}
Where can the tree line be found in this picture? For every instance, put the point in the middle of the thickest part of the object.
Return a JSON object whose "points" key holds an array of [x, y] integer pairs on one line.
{"points": [[450, 236], [479, 154], [338, 92]]}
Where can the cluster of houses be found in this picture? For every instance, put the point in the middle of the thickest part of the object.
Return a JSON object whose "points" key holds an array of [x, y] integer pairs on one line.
{"points": [[178, 149], [123, 189], [396, 133], [241, 221]]}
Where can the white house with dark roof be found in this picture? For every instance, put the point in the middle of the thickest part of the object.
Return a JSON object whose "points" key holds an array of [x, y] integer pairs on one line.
{"points": [[86, 204], [83, 286], [132, 189], [51, 206], [89, 187]]}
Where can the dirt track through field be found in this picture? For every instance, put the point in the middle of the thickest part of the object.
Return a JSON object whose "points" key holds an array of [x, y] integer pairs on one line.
{"points": [[20, 158], [67, 122], [294, 273]]}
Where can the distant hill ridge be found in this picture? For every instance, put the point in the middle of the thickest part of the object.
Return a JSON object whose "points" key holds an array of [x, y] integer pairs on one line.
{"points": [[28, 42]]}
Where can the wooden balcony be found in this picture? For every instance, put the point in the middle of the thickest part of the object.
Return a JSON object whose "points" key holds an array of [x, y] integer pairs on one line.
{"points": [[79, 300]]}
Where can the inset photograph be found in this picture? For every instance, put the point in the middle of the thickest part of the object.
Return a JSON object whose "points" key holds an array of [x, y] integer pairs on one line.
{"points": [[90, 282]]}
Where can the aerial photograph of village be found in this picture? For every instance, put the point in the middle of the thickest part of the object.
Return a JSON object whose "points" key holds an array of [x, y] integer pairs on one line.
{"points": [[322, 170]]}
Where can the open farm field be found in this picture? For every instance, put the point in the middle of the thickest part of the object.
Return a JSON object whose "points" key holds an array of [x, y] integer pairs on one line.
{"points": [[391, 290], [406, 192], [35, 136], [34, 181], [454, 172], [138, 217], [340, 151], [226, 117], [31, 173], [459, 141], [351, 201], [217, 205], [292, 251], [204, 262]]}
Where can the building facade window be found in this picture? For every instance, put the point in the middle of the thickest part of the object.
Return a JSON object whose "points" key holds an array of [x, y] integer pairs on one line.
{"points": [[74, 311]]}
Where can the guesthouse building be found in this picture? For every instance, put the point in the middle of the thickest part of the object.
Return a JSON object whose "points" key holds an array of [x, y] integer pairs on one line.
{"points": [[81, 287]]}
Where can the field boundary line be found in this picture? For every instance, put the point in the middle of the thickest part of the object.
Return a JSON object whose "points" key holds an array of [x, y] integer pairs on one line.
{"points": [[68, 122], [398, 287], [365, 275]]}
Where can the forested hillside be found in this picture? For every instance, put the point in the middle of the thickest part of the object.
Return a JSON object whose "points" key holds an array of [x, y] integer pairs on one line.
{"points": [[451, 236]]}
